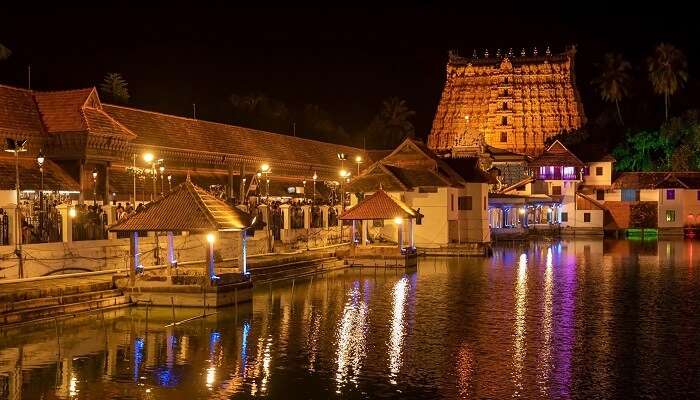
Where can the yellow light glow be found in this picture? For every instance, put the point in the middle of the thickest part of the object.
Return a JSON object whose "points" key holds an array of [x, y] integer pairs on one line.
{"points": [[210, 237], [358, 159], [466, 117], [162, 168], [265, 167], [315, 176], [72, 213], [522, 211], [343, 173], [398, 221], [148, 157]]}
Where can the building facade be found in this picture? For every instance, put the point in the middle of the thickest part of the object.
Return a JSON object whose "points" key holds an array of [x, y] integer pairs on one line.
{"points": [[511, 102]]}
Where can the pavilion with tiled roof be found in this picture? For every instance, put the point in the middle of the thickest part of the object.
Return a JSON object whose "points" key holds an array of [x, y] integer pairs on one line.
{"points": [[187, 208], [556, 155]]}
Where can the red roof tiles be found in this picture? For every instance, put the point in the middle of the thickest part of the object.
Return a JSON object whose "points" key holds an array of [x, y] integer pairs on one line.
{"points": [[557, 155], [379, 206], [62, 111]]}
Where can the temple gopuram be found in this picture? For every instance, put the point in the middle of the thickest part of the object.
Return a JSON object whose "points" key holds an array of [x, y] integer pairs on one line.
{"points": [[510, 102]]}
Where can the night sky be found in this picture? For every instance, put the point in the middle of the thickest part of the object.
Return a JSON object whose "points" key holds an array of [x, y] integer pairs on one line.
{"points": [[346, 61]]}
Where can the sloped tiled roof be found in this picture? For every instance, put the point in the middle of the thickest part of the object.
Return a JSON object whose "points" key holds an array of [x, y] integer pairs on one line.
{"points": [[19, 115], [162, 130], [187, 208], [61, 110], [379, 206], [55, 178], [657, 180], [557, 155], [99, 123]]}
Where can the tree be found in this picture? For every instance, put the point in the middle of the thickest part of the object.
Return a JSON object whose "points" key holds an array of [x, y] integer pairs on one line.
{"points": [[392, 124], [260, 111], [668, 71], [613, 80], [643, 151], [5, 53], [115, 88]]}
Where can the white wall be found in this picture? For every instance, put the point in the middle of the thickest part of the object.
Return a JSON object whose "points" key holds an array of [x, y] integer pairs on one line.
{"points": [[603, 180], [434, 207], [596, 219]]}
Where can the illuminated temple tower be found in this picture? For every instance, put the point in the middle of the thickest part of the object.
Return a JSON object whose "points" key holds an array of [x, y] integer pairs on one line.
{"points": [[511, 102]]}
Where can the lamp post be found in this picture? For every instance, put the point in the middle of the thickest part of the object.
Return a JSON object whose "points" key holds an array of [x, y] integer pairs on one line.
{"points": [[161, 169], [40, 161], [265, 170], [304, 183], [170, 185], [150, 159], [17, 146], [94, 187], [358, 161], [133, 170], [315, 177]]}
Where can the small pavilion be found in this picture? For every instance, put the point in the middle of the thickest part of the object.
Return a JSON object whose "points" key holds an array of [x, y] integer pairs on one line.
{"points": [[390, 215], [187, 208]]}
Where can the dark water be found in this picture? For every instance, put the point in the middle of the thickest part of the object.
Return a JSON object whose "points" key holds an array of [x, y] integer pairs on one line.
{"points": [[571, 319]]}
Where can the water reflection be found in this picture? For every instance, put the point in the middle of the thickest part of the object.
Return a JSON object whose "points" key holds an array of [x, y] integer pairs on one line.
{"points": [[397, 327], [520, 327], [572, 319], [351, 336]]}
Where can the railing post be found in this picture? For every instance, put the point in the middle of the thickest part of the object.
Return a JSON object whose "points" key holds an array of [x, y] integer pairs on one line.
{"points": [[66, 222], [307, 216], [324, 216]]}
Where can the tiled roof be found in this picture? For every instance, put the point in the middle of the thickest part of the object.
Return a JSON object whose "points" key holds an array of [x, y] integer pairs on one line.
{"points": [[557, 155], [375, 178], [379, 206], [187, 208], [161, 130], [61, 111], [657, 180], [19, 115], [55, 178]]}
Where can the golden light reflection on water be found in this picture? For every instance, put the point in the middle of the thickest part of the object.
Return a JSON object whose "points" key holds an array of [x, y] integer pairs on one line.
{"points": [[546, 352], [351, 337], [397, 327], [465, 371], [519, 335]]}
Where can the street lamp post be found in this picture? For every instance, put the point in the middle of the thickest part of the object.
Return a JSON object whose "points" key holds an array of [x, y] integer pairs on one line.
{"points": [[315, 177], [304, 183], [16, 147], [170, 186], [94, 187], [40, 160], [358, 161], [162, 169], [148, 157], [265, 170], [133, 170]]}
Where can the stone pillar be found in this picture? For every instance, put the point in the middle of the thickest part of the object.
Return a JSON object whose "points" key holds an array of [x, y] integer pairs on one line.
{"points": [[399, 230], [81, 196], [106, 194], [230, 191], [410, 233], [243, 256], [134, 257], [324, 216], [352, 232], [286, 217], [12, 228], [338, 210], [264, 214], [211, 268], [66, 222], [365, 225], [307, 216], [172, 262]]}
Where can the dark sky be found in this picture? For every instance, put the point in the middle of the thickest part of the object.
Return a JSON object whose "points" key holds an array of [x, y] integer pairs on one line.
{"points": [[345, 60]]}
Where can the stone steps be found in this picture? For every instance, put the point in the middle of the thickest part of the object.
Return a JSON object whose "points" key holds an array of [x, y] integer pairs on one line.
{"points": [[99, 300], [293, 269], [43, 302]]}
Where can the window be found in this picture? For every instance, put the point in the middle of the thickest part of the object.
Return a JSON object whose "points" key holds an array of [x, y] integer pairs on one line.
{"points": [[504, 137], [671, 194], [505, 106], [505, 80], [587, 217], [670, 215], [556, 190], [452, 202], [598, 171], [504, 120], [600, 194], [464, 203], [630, 195], [564, 217], [505, 92]]}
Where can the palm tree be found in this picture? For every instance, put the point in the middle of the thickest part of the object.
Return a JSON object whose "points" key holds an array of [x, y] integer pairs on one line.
{"points": [[115, 87], [4, 52], [668, 71], [395, 117], [613, 80]]}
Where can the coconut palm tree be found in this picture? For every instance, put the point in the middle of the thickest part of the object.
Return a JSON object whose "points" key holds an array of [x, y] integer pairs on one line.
{"points": [[4, 52], [115, 88], [613, 80], [395, 119], [668, 71]]}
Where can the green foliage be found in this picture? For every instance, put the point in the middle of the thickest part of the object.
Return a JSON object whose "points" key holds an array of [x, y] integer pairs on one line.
{"points": [[392, 124], [613, 80], [5, 53], [115, 88], [643, 215], [675, 146], [668, 71]]}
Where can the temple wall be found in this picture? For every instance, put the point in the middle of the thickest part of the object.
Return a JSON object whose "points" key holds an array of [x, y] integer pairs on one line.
{"points": [[511, 105], [99, 255]]}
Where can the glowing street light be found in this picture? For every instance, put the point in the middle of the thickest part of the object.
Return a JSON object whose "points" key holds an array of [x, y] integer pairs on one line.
{"points": [[170, 185], [315, 177], [398, 220], [148, 157], [17, 146], [72, 213], [358, 161], [94, 186]]}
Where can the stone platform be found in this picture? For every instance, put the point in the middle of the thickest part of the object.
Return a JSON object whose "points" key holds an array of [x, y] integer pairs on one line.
{"points": [[380, 257]]}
